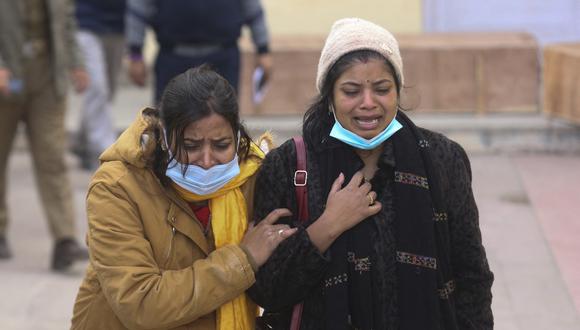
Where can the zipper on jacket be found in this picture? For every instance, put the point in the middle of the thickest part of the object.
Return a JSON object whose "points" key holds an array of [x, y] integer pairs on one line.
{"points": [[171, 240]]}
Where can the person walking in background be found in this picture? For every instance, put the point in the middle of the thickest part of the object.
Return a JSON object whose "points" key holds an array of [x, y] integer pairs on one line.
{"points": [[169, 210], [101, 40], [393, 239], [193, 32], [37, 50]]}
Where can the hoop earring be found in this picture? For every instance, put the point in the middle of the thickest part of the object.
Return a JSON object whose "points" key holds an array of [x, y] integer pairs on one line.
{"points": [[164, 139], [330, 110]]}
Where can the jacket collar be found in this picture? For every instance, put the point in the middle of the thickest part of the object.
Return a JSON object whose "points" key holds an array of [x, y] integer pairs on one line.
{"points": [[193, 228]]}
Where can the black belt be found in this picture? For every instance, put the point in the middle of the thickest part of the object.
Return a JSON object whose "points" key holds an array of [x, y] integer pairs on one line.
{"points": [[195, 49]]}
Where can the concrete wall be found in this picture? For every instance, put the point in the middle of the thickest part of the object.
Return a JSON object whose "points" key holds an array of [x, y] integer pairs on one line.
{"points": [[562, 81], [461, 72], [447, 72]]}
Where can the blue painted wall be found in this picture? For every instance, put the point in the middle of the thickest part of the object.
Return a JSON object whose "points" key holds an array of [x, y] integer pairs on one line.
{"points": [[549, 20]]}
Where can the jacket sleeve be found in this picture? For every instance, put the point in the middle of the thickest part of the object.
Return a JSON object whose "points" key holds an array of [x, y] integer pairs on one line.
{"points": [[296, 267], [138, 16], [138, 291], [473, 277], [75, 56], [255, 19]]}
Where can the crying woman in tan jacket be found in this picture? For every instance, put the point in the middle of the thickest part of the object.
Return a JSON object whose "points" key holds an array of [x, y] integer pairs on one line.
{"points": [[169, 210]]}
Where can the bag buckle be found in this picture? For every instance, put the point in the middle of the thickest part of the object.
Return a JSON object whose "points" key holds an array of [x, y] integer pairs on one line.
{"points": [[300, 184]]}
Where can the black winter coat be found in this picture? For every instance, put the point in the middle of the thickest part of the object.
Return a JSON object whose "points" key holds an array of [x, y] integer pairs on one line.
{"points": [[296, 270]]}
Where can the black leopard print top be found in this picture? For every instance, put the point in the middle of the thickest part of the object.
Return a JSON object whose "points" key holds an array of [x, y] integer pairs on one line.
{"points": [[296, 270]]}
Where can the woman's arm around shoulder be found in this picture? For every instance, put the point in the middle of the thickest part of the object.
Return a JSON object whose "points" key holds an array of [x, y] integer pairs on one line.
{"points": [[138, 290], [296, 266]]}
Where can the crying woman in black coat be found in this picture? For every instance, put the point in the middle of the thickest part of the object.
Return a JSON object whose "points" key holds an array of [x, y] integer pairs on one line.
{"points": [[392, 239]]}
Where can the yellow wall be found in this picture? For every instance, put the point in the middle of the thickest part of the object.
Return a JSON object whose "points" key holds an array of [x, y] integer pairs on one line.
{"points": [[315, 17]]}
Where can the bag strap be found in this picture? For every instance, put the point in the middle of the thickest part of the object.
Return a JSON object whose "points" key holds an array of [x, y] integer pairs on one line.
{"points": [[296, 316], [301, 179], [300, 182]]}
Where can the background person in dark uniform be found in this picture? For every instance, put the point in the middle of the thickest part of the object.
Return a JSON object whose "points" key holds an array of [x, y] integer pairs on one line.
{"points": [[193, 32]]}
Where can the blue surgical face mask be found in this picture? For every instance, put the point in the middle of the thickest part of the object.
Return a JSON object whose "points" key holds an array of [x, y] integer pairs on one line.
{"points": [[200, 181], [348, 137]]}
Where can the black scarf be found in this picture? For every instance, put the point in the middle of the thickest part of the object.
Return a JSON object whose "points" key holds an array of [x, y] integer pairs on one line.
{"points": [[348, 285], [422, 256]]}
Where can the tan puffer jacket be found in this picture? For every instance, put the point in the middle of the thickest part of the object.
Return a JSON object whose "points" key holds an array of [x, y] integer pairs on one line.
{"points": [[151, 266]]}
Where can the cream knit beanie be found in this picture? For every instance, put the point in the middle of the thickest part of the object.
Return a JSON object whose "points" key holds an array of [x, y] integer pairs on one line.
{"points": [[350, 34]]}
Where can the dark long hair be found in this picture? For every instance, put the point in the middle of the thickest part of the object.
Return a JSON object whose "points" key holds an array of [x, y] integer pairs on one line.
{"points": [[191, 96], [317, 121]]}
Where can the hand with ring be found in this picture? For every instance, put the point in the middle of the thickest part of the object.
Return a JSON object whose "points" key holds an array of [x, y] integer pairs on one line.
{"points": [[262, 239], [347, 206], [371, 199]]}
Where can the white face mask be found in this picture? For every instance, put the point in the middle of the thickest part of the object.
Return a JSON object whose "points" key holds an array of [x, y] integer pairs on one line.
{"points": [[200, 181], [350, 138]]}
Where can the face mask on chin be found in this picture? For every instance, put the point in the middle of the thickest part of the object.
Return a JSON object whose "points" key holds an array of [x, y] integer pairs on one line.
{"points": [[340, 133], [200, 181]]}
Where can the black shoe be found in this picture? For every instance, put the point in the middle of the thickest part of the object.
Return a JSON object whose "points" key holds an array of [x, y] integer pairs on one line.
{"points": [[66, 252], [78, 147], [89, 163], [5, 252], [87, 160]]}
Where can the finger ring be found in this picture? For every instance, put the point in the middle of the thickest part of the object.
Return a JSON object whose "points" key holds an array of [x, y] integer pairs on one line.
{"points": [[280, 232], [371, 199]]}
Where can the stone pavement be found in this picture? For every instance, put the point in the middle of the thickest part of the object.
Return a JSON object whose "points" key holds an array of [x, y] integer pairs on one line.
{"points": [[528, 202]]}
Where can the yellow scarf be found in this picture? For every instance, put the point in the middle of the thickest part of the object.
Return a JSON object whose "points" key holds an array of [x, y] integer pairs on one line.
{"points": [[229, 224]]}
